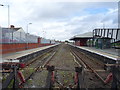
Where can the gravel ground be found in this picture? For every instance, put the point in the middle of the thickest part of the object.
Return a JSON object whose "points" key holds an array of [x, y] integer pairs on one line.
{"points": [[93, 62], [29, 69], [91, 80], [63, 58], [38, 80], [65, 61]]}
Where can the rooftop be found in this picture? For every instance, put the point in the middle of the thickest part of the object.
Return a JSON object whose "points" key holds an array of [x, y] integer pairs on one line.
{"points": [[11, 28], [84, 35]]}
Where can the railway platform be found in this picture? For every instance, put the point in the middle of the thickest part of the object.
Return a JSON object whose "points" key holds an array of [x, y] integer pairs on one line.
{"points": [[24, 54], [108, 54]]}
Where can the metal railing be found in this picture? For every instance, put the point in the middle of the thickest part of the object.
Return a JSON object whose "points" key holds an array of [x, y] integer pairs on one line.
{"points": [[112, 33]]}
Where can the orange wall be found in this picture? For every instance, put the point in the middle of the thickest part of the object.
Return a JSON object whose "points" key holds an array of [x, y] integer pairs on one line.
{"points": [[14, 47]]}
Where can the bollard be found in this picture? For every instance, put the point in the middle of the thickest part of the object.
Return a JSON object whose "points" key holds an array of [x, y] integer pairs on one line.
{"points": [[51, 77], [109, 78], [21, 77], [78, 77]]}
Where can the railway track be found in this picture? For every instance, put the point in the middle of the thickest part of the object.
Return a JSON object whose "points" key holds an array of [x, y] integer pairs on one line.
{"points": [[65, 68], [69, 69], [93, 62], [59, 72], [62, 73], [92, 65], [85, 64], [29, 70], [36, 59], [39, 65]]}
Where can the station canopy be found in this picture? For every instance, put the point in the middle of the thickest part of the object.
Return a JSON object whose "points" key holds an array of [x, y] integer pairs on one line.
{"points": [[87, 35]]}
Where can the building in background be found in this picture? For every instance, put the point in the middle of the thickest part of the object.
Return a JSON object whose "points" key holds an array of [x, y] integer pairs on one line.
{"points": [[99, 38], [17, 35], [81, 39], [106, 37], [15, 39]]}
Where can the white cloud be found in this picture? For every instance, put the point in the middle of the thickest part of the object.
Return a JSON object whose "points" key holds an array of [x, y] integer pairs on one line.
{"points": [[60, 20]]}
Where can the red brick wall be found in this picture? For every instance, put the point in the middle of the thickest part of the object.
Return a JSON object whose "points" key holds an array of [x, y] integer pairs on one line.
{"points": [[0, 48], [81, 42], [15, 47]]}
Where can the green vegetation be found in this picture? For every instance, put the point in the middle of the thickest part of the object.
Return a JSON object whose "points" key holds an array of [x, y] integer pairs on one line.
{"points": [[3, 78], [29, 81], [27, 71], [11, 84], [90, 42], [116, 44]]}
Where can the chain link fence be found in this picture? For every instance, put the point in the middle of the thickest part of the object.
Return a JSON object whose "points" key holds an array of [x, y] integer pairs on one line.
{"points": [[16, 36]]}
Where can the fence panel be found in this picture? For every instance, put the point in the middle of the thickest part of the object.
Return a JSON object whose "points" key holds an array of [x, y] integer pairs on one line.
{"points": [[16, 36]]}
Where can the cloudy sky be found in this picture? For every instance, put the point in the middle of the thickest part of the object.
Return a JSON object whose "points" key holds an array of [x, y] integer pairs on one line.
{"points": [[59, 20]]}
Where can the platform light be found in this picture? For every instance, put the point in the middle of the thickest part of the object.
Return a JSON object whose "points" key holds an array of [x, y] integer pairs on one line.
{"points": [[27, 33]]}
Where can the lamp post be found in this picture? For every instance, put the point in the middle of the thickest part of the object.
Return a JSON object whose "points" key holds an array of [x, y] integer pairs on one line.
{"points": [[8, 13], [27, 26], [119, 14], [27, 34]]}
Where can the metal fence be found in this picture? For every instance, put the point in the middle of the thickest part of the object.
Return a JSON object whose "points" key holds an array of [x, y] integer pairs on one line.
{"points": [[16, 36], [107, 33], [46, 41]]}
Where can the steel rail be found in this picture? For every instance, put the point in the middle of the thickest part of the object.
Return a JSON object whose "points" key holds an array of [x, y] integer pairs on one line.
{"points": [[77, 60], [39, 66], [48, 60], [35, 59], [110, 65], [89, 67], [101, 64]]}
